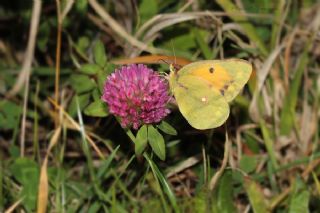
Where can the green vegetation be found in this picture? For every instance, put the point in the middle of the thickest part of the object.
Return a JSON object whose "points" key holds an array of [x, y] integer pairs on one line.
{"points": [[61, 149]]}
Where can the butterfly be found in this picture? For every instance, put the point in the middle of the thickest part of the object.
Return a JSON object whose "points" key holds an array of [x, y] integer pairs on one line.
{"points": [[203, 89]]}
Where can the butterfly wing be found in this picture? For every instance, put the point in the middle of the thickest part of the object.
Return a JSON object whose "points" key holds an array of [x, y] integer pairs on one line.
{"points": [[226, 76], [201, 104]]}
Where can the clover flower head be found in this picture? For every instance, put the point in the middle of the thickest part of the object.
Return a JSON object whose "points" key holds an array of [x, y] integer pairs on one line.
{"points": [[137, 95]]}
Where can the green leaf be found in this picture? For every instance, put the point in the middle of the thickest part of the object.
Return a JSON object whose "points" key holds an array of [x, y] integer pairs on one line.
{"points": [[82, 44], [167, 128], [83, 100], [287, 118], [225, 194], [236, 14], [82, 83], [43, 36], [99, 54], [163, 181], [300, 197], [147, 9], [255, 195], [94, 207], [266, 133], [81, 6], [156, 142], [248, 163], [105, 164], [9, 114], [200, 36], [141, 140], [300, 202], [97, 108], [26, 172], [90, 69], [102, 75], [199, 203], [96, 95]]}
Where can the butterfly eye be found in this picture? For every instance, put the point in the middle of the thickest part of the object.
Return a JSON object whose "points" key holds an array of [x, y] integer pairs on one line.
{"points": [[211, 70]]}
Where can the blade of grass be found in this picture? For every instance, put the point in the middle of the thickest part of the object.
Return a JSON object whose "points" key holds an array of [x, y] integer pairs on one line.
{"points": [[218, 174], [269, 143], [278, 21], [74, 125], [106, 164], [288, 111], [205, 50], [36, 124], [303, 160], [58, 56], [88, 155], [43, 183], [119, 29], [1, 183], [25, 71], [162, 180], [235, 14], [159, 177], [14, 206], [317, 182], [255, 195]]}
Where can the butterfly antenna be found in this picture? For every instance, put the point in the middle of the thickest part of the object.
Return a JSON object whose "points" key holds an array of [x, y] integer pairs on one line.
{"points": [[174, 53], [163, 61]]}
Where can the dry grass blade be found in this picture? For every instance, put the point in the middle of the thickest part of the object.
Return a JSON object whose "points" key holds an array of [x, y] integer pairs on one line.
{"points": [[76, 126], [153, 59], [180, 16], [183, 165], [165, 17], [217, 175], [266, 67], [26, 66], [287, 58], [43, 183], [58, 56], [238, 137], [66, 9], [26, 69], [261, 77], [99, 23], [278, 199], [119, 29], [169, 20], [60, 16], [14, 206]]}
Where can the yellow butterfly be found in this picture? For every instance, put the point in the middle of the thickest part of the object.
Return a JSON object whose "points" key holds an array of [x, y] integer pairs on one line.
{"points": [[203, 89]]}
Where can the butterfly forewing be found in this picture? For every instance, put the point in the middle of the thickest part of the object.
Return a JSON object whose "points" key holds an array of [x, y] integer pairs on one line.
{"points": [[240, 71], [226, 76]]}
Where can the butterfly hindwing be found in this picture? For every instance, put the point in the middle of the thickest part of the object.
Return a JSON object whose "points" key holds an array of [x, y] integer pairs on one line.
{"points": [[202, 105]]}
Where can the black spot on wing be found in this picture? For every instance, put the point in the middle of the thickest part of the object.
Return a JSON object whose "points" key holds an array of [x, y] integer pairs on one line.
{"points": [[225, 87]]}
